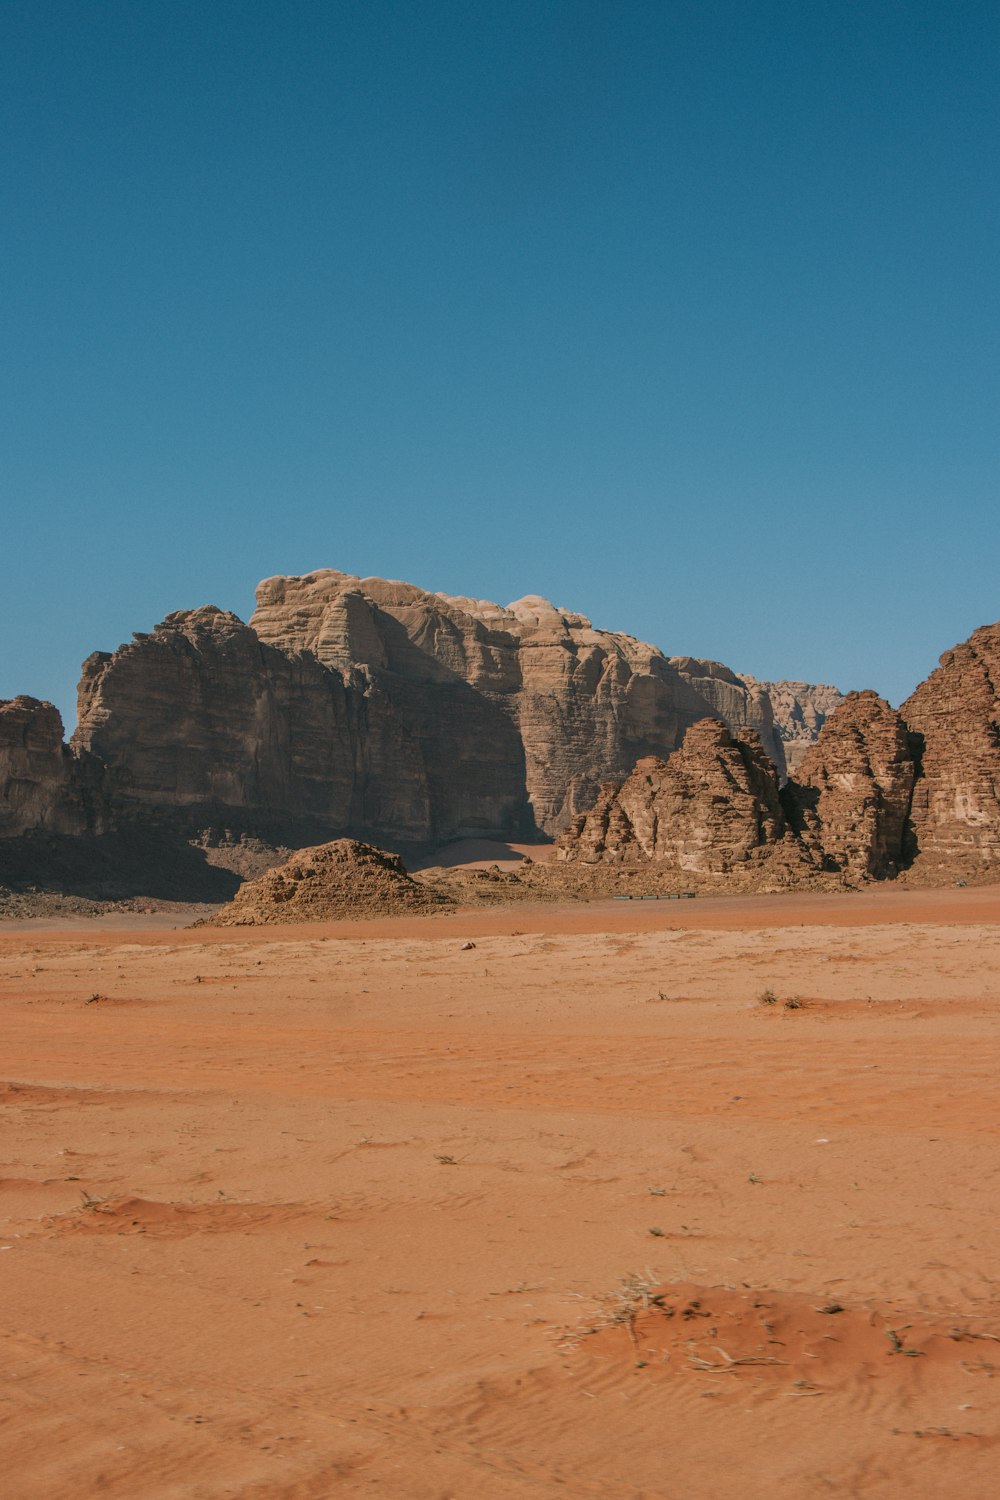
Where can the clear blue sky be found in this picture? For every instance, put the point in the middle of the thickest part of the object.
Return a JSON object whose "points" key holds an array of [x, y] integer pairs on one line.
{"points": [[683, 314]]}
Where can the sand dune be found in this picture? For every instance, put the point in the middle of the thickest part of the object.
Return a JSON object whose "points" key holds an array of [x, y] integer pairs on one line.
{"points": [[354, 1209]]}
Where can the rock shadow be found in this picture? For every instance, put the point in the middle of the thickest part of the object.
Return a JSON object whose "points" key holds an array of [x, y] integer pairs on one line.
{"points": [[114, 867]]}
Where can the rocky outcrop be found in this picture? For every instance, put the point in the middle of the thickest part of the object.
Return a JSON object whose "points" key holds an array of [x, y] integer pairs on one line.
{"points": [[710, 808], [201, 721], [199, 718], [850, 799], [377, 709], [714, 807], [955, 719], [370, 707], [800, 709], [571, 706], [738, 700], [344, 878], [43, 788]]}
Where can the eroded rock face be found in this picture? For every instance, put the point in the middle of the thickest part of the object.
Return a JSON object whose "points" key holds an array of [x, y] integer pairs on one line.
{"points": [[850, 799], [955, 717], [738, 700], [200, 717], [371, 707], [201, 720], [42, 787], [710, 808], [800, 710], [568, 705]]}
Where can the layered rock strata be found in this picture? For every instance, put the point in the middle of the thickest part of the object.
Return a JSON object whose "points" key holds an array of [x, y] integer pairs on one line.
{"points": [[738, 700], [43, 788], [377, 708], [582, 704], [362, 706], [800, 709], [711, 807], [850, 799], [198, 716], [715, 807], [955, 719], [201, 719]]}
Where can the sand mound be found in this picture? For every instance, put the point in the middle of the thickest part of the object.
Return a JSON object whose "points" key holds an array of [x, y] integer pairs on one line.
{"points": [[342, 879]]}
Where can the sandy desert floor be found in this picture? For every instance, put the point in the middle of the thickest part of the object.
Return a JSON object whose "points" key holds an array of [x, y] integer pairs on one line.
{"points": [[362, 1210]]}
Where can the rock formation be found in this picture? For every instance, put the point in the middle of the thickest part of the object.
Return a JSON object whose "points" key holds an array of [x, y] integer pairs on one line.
{"points": [[738, 700], [370, 707], [200, 720], [363, 707], [955, 718], [42, 787], [711, 807], [344, 878], [714, 806], [800, 710], [572, 704], [850, 799]]}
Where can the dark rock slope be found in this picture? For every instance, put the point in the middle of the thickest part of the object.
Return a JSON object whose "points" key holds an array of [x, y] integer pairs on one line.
{"points": [[369, 708], [955, 719], [374, 707]]}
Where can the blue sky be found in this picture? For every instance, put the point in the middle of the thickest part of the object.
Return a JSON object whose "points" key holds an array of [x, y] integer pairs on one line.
{"points": [[681, 314]]}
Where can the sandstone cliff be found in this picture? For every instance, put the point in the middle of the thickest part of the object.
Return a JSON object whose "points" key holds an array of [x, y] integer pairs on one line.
{"points": [[800, 710], [375, 708], [199, 717], [738, 700], [571, 704], [850, 799], [955, 717], [43, 789], [201, 721], [710, 808]]}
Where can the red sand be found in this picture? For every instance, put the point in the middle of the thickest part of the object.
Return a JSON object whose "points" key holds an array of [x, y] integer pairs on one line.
{"points": [[352, 1210]]}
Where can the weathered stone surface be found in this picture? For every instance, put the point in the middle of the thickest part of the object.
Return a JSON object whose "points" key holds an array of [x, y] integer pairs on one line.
{"points": [[202, 721], [955, 717], [344, 878], [710, 808], [200, 718], [737, 699], [800, 710], [374, 707], [42, 787], [850, 799], [533, 687], [370, 707]]}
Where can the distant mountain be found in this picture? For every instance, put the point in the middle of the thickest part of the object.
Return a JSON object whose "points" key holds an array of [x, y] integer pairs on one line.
{"points": [[374, 709]]}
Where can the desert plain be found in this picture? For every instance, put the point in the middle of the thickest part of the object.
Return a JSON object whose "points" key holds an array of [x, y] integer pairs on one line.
{"points": [[529, 1202]]}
